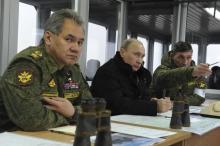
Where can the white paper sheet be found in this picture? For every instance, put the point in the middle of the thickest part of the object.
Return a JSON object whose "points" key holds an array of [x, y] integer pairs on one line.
{"points": [[12, 139], [140, 131], [199, 125], [69, 129], [121, 128], [192, 109]]}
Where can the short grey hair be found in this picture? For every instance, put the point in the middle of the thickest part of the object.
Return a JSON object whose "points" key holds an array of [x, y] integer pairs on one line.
{"points": [[55, 23], [128, 42]]}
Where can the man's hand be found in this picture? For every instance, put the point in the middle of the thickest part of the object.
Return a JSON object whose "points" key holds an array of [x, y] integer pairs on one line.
{"points": [[201, 70], [60, 105], [163, 105]]}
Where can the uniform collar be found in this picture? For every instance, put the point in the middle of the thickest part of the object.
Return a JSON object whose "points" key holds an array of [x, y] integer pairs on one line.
{"points": [[49, 60]]}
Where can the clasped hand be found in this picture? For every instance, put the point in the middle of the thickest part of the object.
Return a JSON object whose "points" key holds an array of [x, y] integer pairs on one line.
{"points": [[60, 105], [163, 104]]}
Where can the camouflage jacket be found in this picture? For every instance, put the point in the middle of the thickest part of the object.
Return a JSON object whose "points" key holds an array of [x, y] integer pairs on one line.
{"points": [[171, 78], [32, 74]]}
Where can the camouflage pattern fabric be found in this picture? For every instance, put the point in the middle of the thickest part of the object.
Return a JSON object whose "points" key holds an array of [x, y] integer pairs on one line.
{"points": [[171, 78], [32, 74]]}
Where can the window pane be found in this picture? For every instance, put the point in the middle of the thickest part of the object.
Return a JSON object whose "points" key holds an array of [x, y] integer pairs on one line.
{"points": [[195, 52], [96, 47], [170, 47], [26, 26], [212, 56], [105, 14], [32, 16], [116, 41], [158, 51], [145, 43]]}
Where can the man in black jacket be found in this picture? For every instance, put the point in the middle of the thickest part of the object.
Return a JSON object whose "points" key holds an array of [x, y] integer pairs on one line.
{"points": [[124, 83]]}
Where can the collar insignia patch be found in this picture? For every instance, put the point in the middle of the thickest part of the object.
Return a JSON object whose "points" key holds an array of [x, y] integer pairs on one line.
{"points": [[52, 83]]}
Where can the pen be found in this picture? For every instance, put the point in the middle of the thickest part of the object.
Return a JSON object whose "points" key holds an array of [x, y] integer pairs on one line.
{"points": [[213, 63]]}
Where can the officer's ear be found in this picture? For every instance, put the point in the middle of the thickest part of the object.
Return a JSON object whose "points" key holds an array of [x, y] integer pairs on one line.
{"points": [[122, 52], [48, 36]]}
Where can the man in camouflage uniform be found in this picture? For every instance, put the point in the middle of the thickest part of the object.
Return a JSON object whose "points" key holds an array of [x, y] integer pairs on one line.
{"points": [[39, 85], [178, 71]]}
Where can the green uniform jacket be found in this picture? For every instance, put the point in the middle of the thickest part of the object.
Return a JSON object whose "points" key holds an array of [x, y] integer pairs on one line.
{"points": [[32, 74], [170, 78]]}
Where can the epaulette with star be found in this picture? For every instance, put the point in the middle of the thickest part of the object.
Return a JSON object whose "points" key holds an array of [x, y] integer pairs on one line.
{"points": [[36, 54]]}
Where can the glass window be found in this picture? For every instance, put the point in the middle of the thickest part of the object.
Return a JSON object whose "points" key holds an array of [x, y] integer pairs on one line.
{"points": [[26, 29], [170, 47], [145, 43], [158, 52], [116, 41], [104, 35], [128, 36], [195, 52], [212, 55], [96, 47], [32, 16]]}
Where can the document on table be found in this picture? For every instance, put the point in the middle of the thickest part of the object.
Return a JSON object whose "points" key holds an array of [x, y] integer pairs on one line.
{"points": [[156, 121], [195, 109], [119, 139], [192, 109], [140, 131], [199, 125], [12, 139], [121, 128], [69, 129]]}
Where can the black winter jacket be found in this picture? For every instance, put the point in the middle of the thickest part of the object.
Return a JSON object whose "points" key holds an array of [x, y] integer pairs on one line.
{"points": [[126, 91]]}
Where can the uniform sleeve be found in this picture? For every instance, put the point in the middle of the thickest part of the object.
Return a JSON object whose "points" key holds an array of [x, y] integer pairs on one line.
{"points": [[21, 93], [168, 78], [196, 100], [104, 85]]}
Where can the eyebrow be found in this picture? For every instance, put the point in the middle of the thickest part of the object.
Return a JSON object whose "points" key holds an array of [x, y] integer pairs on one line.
{"points": [[140, 53], [185, 56], [74, 37]]}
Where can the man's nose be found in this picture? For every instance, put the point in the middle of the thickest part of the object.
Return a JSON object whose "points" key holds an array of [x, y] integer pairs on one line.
{"points": [[185, 61], [75, 47], [139, 60]]}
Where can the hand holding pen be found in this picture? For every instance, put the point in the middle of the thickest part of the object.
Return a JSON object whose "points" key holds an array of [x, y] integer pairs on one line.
{"points": [[201, 70]]}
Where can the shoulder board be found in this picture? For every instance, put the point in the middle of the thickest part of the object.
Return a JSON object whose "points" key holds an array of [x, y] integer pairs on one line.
{"points": [[36, 54]]}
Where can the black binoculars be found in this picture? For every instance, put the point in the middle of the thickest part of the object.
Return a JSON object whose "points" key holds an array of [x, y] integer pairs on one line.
{"points": [[93, 119], [180, 114]]}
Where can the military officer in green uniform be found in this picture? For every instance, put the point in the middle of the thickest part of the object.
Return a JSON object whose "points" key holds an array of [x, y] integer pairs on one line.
{"points": [[178, 71], [43, 85]]}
